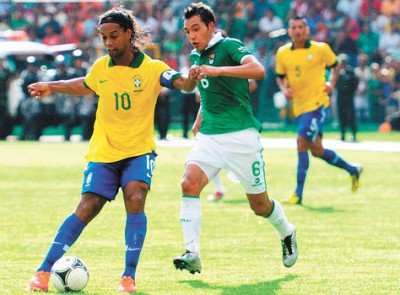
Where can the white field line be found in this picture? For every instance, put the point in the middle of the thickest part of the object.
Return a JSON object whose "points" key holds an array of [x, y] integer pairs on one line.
{"points": [[290, 143]]}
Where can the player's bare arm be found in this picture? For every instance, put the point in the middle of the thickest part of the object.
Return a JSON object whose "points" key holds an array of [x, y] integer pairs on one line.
{"points": [[284, 87], [190, 82], [250, 68], [71, 87]]}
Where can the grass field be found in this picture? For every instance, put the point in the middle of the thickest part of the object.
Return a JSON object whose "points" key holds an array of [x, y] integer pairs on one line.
{"points": [[348, 242]]}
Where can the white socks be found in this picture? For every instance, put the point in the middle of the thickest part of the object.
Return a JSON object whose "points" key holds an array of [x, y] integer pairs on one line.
{"points": [[278, 219], [191, 222], [218, 184]]}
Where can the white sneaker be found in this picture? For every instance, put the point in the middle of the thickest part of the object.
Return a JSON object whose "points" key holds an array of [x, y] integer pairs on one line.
{"points": [[289, 250], [189, 261]]}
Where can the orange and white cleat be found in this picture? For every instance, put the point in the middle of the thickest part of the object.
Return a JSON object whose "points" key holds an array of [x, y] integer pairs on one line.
{"points": [[127, 285], [40, 281]]}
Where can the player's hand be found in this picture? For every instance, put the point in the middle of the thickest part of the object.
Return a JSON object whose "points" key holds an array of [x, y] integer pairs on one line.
{"points": [[195, 73], [328, 87], [39, 90], [209, 71], [288, 93]]}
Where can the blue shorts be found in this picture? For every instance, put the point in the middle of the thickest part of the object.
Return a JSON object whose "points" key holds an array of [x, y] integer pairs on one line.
{"points": [[311, 124], [105, 179]]}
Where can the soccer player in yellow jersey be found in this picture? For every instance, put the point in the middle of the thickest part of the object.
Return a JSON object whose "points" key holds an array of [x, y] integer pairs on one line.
{"points": [[122, 149], [300, 70]]}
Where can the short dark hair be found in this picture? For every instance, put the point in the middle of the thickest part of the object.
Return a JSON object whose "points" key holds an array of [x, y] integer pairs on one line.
{"points": [[298, 17], [204, 11]]}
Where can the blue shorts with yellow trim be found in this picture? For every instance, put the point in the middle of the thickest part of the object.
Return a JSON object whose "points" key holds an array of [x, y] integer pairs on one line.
{"points": [[105, 179]]}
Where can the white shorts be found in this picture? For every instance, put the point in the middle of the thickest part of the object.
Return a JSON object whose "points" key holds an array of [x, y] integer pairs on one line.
{"points": [[238, 152]]}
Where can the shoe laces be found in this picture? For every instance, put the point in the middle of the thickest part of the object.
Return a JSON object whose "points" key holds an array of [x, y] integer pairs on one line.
{"points": [[287, 246], [127, 281], [42, 276]]}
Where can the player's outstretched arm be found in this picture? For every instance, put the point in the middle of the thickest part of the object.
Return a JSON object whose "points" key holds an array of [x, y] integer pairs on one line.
{"points": [[71, 87], [190, 82], [250, 68]]}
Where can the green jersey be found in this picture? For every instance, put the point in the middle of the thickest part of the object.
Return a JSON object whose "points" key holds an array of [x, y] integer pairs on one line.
{"points": [[225, 101]]}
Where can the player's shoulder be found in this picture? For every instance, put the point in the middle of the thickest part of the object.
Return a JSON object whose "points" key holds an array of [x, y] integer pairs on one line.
{"points": [[105, 59], [319, 44], [285, 48], [229, 40]]}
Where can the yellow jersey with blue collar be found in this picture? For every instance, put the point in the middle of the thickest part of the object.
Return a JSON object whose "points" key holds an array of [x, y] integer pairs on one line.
{"points": [[124, 123], [304, 69]]}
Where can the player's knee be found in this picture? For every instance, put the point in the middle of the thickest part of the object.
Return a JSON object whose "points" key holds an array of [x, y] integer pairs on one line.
{"points": [[190, 187], [260, 209]]}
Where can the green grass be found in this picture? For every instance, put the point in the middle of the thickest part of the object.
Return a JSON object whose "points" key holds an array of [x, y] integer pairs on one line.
{"points": [[348, 242]]}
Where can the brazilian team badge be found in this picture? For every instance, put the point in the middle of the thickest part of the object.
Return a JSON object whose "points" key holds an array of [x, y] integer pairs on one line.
{"points": [[137, 82]]}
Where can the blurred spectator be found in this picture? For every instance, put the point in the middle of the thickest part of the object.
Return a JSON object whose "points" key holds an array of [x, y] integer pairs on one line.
{"points": [[51, 38], [169, 23], [367, 41], [349, 7], [281, 8], [390, 41], [172, 45], [363, 73], [313, 18], [73, 32], [190, 102], [351, 26], [378, 22], [260, 6], [299, 7], [343, 43], [346, 86], [334, 21], [51, 22], [375, 95], [30, 108], [65, 105], [86, 106], [18, 20], [162, 113], [388, 89], [270, 22], [6, 121], [390, 7], [238, 25]]}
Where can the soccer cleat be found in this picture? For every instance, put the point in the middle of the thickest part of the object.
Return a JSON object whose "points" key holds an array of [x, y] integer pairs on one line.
{"points": [[40, 281], [355, 178], [289, 250], [216, 197], [127, 285], [189, 261], [293, 200]]}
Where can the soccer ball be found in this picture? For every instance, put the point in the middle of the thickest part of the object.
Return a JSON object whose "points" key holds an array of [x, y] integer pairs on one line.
{"points": [[69, 273]]}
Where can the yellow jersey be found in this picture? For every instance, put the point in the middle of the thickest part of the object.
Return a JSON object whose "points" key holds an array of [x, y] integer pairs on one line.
{"points": [[124, 123], [304, 69]]}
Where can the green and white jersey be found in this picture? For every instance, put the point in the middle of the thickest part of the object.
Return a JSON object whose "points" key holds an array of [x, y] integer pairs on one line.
{"points": [[225, 101]]}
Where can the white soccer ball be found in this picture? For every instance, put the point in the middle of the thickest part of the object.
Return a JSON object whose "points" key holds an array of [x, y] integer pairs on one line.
{"points": [[69, 273]]}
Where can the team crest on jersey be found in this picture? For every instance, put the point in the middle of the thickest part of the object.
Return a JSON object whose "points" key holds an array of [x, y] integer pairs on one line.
{"points": [[211, 58], [310, 56], [137, 83]]}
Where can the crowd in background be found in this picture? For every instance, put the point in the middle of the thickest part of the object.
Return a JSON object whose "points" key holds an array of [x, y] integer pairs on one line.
{"points": [[367, 31]]}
